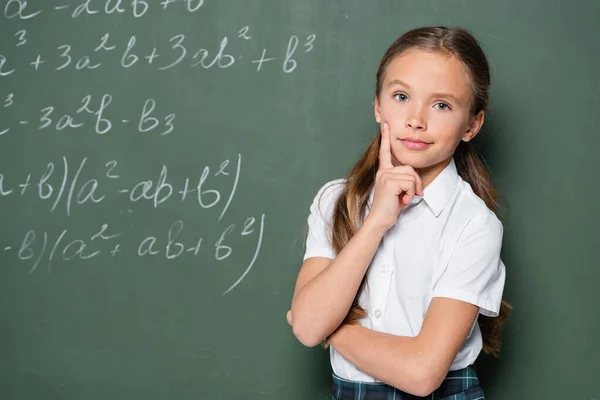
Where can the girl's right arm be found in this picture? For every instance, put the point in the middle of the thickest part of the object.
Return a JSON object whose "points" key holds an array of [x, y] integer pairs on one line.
{"points": [[326, 288]]}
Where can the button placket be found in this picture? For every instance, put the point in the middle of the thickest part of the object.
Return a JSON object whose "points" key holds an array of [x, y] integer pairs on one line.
{"points": [[381, 282], [382, 289]]}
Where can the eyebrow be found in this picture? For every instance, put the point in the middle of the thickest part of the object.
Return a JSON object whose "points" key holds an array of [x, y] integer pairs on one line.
{"points": [[436, 95], [398, 82], [447, 96]]}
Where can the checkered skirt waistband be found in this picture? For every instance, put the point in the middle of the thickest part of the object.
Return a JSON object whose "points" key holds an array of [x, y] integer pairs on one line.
{"points": [[461, 384]]}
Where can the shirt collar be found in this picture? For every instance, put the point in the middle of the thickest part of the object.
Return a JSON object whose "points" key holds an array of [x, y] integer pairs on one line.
{"points": [[438, 192]]}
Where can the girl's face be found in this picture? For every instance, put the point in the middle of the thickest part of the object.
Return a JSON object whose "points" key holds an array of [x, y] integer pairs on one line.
{"points": [[426, 100]]}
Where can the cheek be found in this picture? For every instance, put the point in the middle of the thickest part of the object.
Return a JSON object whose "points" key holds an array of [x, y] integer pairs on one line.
{"points": [[446, 124], [392, 111]]}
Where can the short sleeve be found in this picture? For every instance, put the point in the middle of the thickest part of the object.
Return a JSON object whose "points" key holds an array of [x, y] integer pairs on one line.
{"points": [[475, 272], [318, 239]]}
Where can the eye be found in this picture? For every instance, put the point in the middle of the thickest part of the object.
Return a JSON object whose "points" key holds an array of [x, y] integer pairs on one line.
{"points": [[442, 106], [400, 96]]}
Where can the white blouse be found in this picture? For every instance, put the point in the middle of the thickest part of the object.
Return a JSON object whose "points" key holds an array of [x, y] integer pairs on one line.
{"points": [[444, 244]]}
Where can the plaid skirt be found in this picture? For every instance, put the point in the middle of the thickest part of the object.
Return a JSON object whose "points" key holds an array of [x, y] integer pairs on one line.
{"points": [[462, 384]]}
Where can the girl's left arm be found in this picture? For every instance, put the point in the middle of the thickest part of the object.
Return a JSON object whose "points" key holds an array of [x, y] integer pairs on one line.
{"points": [[416, 365], [472, 283]]}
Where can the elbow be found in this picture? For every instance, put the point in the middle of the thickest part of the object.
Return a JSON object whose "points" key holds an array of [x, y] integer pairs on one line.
{"points": [[423, 379], [306, 334], [423, 386], [305, 330]]}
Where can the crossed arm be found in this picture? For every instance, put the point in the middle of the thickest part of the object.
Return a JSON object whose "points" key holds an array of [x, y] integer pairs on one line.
{"points": [[416, 365]]}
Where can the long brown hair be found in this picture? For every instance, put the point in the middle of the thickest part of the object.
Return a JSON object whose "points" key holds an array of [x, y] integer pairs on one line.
{"points": [[350, 207]]}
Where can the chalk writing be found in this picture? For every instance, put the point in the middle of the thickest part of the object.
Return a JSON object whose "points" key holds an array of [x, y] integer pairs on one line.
{"points": [[176, 51], [84, 201], [19, 9], [43, 249], [58, 183], [94, 109]]}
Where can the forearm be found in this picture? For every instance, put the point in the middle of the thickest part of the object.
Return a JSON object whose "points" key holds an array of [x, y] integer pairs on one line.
{"points": [[321, 305], [399, 361]]}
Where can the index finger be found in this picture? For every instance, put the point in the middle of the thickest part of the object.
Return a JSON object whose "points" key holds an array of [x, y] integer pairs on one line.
{"points": [[385, 152]]}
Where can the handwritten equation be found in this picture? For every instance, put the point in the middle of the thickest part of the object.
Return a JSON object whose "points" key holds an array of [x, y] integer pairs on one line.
{"points": [[39, 248], [96, 48], [20, 9], [94, 110], [62, 183], [175, 51]]}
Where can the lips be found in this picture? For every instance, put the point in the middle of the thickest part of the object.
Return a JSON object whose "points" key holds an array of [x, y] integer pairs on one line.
{"points": [[414, 144], [413, 140]]}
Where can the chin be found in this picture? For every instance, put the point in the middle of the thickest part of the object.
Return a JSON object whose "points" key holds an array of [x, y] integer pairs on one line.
{"points": [[417, 162]]}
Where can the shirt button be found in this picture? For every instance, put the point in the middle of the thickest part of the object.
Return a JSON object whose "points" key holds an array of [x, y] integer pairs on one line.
{"points": [[377, 313], [384, 269]]}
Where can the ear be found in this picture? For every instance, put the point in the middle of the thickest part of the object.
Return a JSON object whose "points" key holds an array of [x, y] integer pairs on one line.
{"points": [[474, 127], [377, 111]]}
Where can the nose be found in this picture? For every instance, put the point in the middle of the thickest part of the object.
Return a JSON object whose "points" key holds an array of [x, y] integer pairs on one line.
{"points": [[416, 120]]}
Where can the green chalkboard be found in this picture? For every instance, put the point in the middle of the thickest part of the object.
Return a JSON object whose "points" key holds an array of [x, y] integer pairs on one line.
{"points": [[157, 162]]}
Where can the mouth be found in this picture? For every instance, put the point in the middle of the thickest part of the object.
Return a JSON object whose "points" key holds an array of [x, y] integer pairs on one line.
{"points": [[414, 144]]}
